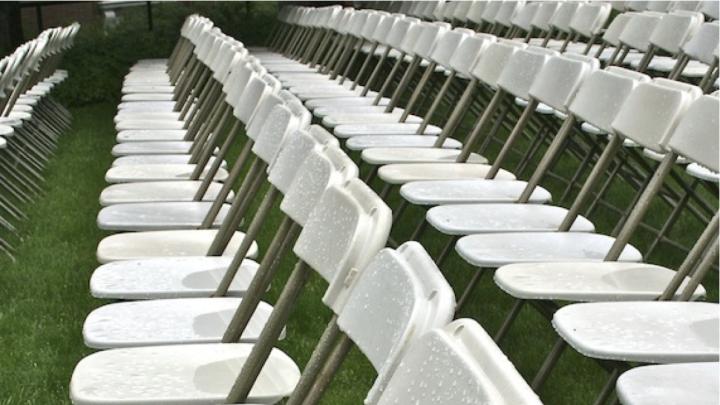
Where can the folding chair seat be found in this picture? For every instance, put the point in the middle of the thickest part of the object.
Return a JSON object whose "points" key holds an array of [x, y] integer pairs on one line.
{"points": [[362, 142], [157, 191], [459, 364], [680, 383], [326, 244], [644, 332], [164, 278]]}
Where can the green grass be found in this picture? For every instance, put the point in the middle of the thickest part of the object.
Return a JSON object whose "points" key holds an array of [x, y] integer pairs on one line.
{"points": [[44, 296]]}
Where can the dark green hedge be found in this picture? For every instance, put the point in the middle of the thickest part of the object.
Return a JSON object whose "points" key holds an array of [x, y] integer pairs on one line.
{"points": [[101, 57]]}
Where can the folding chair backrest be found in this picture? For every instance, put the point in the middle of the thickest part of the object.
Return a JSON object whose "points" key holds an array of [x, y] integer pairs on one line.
{"points": [[371, 25], [457, 364], [258, 118], [399, 296], [448, 10], [696, 135], [675, 29], [652, 110], [489, 66], [250, 98], [544, 14], [704, 43], [559, 79], [344, 231], [710, 8], [384, 27], [434, 10], [602, 94], [522, 68], [491, 10], [616, 27], [507, 11], [476, 11], [563, 16], [412, 37], [280, 122], [462, 9], [684, 5], [399, 32], [236, 82], [322, 168], [638, 30], [523, 18], [590, 18], [658, 6], [636, 5], [447, 45], [468, 52], [428, 38], [293, 151]]}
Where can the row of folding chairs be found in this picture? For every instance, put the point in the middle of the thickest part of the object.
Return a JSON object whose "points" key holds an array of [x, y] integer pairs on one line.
{"points": [[31, 123], [179, 118]]}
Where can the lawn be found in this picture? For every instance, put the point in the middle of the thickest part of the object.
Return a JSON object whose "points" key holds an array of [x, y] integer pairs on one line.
{"points": [[44, 295]]}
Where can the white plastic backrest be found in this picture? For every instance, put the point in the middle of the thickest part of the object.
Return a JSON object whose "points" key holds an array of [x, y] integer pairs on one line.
{"points": [[590, 18], [406, 7], [616, 27], [448, 10], [619, 5], [250, 98], [448, 45], [334, 13], [279, 123], [492, 61], [560, 78], [412, 37], [659, 6], [429, 37], [523, 18], [638, 30], [384, 28], [288, 97], [322, 168], [546, 11], [293, 151], [522, 68], [371, 25], [476, 11], [506, 12], [710, 8], [398, 32], [468, 52], [457, 364], [491, 10], [341, 18], [227, 53], [257, 120], [396, 299], [344, 231], [346, 21], [675, 29], [684, 5], [237, 81], [302, 114], [462, 10], [652, 110], [636, 5], [696, 135], [435, 12], [704, 43], [564, 15], [602, 94], [358, 21]]}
